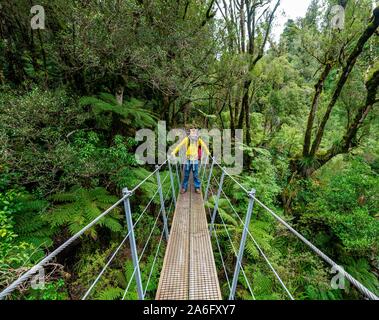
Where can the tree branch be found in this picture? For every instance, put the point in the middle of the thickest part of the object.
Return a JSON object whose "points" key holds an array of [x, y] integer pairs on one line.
{"points": [[351, 61]]}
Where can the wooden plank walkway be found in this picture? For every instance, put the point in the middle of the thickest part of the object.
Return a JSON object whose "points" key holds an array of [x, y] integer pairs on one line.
{"points": [[189, 271]]}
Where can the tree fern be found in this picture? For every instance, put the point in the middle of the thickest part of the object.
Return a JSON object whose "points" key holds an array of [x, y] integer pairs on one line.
{"points": [[131, 112], [30, 225], [111, 294], [78, 207], [360, 270], [149, 188]]}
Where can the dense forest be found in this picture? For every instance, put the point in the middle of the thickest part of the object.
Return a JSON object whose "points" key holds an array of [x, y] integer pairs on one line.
{"points": [[74, 94]]}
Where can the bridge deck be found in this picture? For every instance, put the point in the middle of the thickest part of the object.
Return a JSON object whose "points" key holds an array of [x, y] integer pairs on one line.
{"points": [[189, 271]]}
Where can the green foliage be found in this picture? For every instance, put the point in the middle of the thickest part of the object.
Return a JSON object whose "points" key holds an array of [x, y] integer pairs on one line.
{"points": [[30, 224], [94, 159], [65, 147], [358, 231], [263, 178], [54, 290], [78, 207], [36, 148], [340, 210], [346, 204], [360, 269], [111, 294], [131, 112], [14, 253], [312, 292]]}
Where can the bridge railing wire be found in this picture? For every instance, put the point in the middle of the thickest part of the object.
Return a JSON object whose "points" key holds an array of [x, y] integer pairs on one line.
{"points": [[213, 230], [255, 242], [359, 286], [35, 269], [234, 252], [157, 251], [220, 251], [144, 248], [123, 241], [203, 175]]}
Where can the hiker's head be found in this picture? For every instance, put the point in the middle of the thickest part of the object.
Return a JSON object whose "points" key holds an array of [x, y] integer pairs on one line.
{"points": [[193, 132]]}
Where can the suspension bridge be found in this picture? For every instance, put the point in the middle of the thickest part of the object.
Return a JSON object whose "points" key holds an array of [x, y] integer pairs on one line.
{"points": [[189, 270]]}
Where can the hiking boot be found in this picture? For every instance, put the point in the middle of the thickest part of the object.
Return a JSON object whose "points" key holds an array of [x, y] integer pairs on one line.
{"points": [[197, 191], [183, 191]]}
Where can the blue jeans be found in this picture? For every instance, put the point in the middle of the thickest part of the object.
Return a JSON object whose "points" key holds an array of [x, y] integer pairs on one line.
{"points": [[194, 166]]}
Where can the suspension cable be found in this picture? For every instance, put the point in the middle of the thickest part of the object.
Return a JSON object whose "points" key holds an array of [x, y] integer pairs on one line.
{"points": [[144, 249], [68, 242], [235, 254], [217, 242], [365, 291], [154, 261], [122, 242], [257, 245], [156, 253], [221, 256], [230, 176], [148, 177], [36, 267], [105, 267]]}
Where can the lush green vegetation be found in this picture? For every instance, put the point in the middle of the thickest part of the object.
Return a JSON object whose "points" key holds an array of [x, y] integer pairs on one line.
{"points": [[73, 95]]}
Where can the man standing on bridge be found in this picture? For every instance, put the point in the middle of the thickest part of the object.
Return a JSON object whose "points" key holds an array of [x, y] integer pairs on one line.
{"points": [[194, 145]]}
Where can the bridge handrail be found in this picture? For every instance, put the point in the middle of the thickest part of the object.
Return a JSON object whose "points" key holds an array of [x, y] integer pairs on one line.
{"points": [[365, 291], [144, 249], [235, 254], [258, 247], [121, 244], [24, 277]]}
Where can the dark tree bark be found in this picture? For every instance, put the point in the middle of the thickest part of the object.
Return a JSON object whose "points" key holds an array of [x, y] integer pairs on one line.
{"points": [[350, 63], [312, 114], [245, 108], [349, 140]]}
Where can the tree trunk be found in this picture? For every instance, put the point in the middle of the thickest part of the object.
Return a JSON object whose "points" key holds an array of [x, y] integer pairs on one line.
{"points": [[232, 124], [245, 102], [351, 61], [319, 88]]}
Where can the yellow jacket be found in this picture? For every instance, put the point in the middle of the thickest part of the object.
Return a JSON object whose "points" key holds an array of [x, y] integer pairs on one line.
{"points": [[192, 148]]}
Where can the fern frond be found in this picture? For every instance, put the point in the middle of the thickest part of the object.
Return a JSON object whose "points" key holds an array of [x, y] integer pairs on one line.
{"points": [[78, 207], [131, 111], [111, 294]]}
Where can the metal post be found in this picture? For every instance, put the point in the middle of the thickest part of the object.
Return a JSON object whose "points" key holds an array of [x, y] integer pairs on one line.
{"points": [[162, 203], [132, 241], [216, 202], [242, 245], [209, 180], [172, 183]]}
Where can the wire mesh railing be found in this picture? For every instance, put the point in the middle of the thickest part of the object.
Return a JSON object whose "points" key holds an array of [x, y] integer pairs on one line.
{"points": [[125, 200], [209, 179], [212, 187]]}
